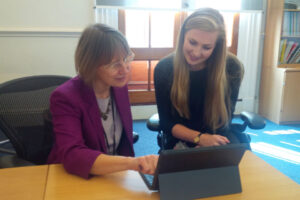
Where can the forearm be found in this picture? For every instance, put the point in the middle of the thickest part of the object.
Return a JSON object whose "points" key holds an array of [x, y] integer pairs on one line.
{"points": [[183, 133], [105, 164]]}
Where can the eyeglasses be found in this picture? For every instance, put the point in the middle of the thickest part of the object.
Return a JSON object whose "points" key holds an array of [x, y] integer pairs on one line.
{"points": [[119, 64]]}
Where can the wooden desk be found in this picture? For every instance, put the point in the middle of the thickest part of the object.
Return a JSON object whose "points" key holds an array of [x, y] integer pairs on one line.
{"points": [[121, 185], [259, 181], [23, 183]]}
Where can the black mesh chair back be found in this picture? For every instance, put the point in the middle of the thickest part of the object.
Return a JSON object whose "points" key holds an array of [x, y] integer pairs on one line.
{"points": [[24, 103]]}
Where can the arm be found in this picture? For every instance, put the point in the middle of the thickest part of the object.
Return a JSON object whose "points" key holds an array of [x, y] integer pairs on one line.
{"points": [[187, 134], [234, 72], [76, 153], [69, 147], [105, 164], [163, 77]]}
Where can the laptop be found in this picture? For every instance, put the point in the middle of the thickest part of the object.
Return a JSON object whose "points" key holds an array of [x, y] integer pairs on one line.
{"points": [[194, 159]]}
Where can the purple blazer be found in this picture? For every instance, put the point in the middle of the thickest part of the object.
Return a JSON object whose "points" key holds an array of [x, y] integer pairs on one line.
{"points": [[78, 131]]}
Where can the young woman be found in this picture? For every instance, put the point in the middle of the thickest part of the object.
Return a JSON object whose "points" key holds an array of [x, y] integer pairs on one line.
{"points": [[197, 86], [91, 113]]}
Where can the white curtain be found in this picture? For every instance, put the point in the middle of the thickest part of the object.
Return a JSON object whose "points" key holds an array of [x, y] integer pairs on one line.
{"points": [[107, 16], [249, 51]]}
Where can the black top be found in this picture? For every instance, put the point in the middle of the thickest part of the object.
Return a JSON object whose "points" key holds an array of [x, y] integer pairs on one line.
{"points": [[163, 78]]}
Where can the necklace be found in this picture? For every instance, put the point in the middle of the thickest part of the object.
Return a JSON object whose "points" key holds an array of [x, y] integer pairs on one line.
{"points": [[113, 151], [104, 115]]}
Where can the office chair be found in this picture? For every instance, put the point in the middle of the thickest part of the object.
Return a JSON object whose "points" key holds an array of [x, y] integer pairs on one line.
{"points": [[26, 121], [23, 105], [249, 119]]}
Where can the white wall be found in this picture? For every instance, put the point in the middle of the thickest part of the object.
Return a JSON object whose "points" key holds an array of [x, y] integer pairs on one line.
{"points": [[40, 36], [143, 112]]}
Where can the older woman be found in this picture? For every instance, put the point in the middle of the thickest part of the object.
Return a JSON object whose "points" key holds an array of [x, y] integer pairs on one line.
{"points": [[91, 112]]}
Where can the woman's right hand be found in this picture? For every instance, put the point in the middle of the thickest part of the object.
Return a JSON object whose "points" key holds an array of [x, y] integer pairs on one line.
{"points": [[212, 140], [145, 164]]}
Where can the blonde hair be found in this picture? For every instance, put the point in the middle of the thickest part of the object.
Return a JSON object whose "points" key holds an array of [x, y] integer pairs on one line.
{"points": [[97, 46], [216, 108]]}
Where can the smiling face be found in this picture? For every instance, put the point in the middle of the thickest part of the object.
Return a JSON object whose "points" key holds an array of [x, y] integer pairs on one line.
{"points": [[198, 46], [114, 74]]}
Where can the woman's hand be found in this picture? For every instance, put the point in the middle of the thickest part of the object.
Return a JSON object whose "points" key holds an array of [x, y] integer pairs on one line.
{"points": [[145, 164], [212, 140]]}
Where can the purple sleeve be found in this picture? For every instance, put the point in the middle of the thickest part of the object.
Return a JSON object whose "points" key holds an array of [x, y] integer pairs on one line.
{"points": [[70, 147]]}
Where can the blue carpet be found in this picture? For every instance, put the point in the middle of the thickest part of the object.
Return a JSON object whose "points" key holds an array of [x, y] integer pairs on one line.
{"points": [[147, 143], [278, 145]]}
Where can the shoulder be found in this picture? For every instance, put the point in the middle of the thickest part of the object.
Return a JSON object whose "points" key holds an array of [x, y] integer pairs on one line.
{"points": [[234, 67], [121, 93], [72, 90], [163, 72], [165, 64]]}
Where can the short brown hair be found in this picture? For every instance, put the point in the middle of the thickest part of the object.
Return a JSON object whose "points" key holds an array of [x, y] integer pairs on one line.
{"points": [[97, 46]]}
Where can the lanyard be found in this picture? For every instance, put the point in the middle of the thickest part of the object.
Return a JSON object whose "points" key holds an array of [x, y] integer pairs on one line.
{"points": [[114, 129]]}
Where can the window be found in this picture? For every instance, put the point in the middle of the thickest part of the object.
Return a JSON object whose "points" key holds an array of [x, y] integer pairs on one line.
{"points": [[151, 36]]}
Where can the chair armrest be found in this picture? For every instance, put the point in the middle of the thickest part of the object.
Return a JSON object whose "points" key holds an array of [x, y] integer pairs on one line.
{"points": [[254, 121], [7, 151], [153, 123], [13, 161]]}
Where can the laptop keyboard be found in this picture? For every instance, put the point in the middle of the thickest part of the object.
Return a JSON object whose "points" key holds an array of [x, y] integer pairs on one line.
{"points": [[149, 178]]}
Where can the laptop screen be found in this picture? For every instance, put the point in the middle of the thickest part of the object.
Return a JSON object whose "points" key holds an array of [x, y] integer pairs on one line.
{"points": [[196, 158], [200, 158]]}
